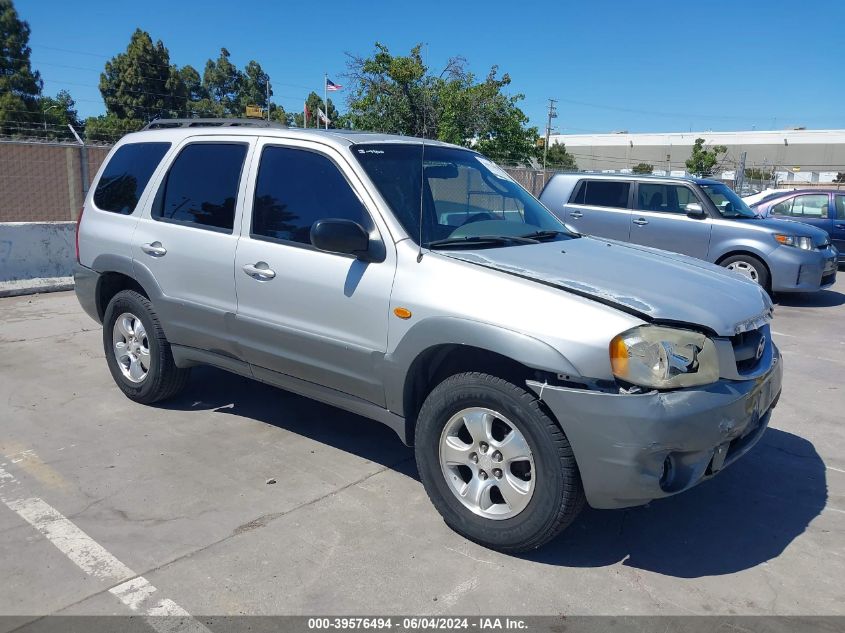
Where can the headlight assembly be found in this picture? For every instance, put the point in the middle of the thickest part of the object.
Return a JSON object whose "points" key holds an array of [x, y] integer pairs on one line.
{"points": [[664, 358], [804, 243]]}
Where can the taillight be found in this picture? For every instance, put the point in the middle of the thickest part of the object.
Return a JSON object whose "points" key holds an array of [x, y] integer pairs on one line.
{"points": [[78, 224]]}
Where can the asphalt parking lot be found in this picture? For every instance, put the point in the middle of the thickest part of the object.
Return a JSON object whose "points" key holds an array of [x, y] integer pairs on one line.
{"points": [[98, 490]]}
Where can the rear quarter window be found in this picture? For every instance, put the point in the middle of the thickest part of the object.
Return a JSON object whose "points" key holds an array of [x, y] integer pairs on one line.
{"points": [[126, 175]]}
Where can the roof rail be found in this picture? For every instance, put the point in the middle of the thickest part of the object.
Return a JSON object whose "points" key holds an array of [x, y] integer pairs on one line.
{"points": [[161, 124]]}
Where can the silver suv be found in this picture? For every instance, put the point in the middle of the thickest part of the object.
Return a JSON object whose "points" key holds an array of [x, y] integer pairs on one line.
{"points": [[416, 284], [697, 217]]}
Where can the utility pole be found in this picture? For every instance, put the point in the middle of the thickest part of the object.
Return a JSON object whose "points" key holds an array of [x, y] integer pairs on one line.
{"points": [[268, 97], [552, 115]]}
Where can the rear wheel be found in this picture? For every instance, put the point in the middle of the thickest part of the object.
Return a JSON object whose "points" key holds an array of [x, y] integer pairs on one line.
{"points": [[750, 267], [137, 351], [498, 469]]}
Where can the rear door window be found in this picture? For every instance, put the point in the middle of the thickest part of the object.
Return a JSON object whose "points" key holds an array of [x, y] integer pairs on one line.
{"points": [[201, 187], [603, 193], [840, 207], [126, 176]]}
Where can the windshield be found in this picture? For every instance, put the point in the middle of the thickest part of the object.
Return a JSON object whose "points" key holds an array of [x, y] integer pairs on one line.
{"points": [[465, 197], [727, 202]]}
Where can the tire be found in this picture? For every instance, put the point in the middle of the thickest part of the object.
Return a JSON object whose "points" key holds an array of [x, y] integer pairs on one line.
{"points": [[161, 378], [749, 266], [556, 494]]}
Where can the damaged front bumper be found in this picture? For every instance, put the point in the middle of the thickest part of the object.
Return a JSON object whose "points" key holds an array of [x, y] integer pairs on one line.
{"points": [[632, 448]]}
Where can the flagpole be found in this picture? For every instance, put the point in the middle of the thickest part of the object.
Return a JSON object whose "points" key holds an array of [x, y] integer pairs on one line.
{"points": [[326, 99]]}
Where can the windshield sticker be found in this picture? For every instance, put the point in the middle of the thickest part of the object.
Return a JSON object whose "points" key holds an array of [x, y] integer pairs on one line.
{"points": [[370, 151], [497, 171]]}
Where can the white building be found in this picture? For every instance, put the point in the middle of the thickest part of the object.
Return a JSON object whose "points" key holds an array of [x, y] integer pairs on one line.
{"points": [[794, 155]]}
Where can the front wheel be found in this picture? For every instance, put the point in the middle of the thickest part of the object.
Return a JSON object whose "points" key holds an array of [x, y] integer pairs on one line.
{"points": [[750, 267], [498, 469]]}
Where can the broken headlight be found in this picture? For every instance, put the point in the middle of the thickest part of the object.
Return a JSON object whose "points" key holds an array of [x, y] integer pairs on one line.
{"points": [[663, 357]]}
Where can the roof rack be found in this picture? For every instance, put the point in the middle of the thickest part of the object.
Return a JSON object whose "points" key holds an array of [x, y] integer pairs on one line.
{"points": [[161, 124]]}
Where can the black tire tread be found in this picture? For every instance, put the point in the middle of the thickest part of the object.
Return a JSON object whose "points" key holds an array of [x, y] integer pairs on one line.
{"points": [[572, 499], [170, 379]]}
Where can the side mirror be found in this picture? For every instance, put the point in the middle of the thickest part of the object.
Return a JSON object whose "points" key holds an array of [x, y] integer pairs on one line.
{"points": [[694, 210], [341, 236]]}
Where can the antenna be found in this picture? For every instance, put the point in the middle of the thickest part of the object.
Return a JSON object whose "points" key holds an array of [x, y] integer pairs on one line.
{"points": [[422, 168]]}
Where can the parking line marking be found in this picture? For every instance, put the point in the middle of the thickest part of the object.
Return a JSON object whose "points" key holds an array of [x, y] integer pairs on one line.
{"points": [[839, 470], [782, 334], [135, 591]]}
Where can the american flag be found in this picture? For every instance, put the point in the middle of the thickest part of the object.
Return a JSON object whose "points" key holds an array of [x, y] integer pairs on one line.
{"points": [[332, 86]]}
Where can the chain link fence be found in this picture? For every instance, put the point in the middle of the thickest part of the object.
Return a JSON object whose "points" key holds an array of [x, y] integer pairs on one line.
{"points": [[45, 181]]}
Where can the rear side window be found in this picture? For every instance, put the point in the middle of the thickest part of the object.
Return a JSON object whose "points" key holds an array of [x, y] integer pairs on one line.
{"points": [[295, 188], [603, 193], [840, 207], [202, 186], [126, 175]]}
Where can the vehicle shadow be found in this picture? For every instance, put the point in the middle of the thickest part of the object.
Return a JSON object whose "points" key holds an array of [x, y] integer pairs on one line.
{"points": [[745, 516], [212, 389], [821, 299]]}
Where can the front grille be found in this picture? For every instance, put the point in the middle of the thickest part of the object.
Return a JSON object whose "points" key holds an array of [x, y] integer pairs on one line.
{"points": [[746, 346]]}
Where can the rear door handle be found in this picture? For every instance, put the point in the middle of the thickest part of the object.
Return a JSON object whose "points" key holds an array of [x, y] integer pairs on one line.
{"points": [[840, 227], [576, 214], [641, 221], [260, 271], [154, 249]]}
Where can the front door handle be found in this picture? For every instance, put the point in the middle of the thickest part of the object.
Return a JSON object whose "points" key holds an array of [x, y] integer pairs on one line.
{"points": [[840, 227], [260, 271], [155, 249], [641, 221], [576, 214]]}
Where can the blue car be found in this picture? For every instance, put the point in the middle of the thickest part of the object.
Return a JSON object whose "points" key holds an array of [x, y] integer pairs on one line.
{"points": [[820, 207]]}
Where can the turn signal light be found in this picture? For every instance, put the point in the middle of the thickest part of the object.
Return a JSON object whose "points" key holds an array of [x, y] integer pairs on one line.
{"points": [[402, 313]]}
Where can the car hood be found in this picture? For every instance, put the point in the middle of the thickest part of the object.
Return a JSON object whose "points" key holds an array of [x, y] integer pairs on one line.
{"points": [[652, 284], [791, 227]]}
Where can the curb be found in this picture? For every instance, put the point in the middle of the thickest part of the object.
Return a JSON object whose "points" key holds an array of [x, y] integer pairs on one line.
{"points": [[20, 287]]}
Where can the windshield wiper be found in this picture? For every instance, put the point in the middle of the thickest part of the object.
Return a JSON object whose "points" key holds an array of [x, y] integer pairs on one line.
{"points": [[543, 235], [480, 239]]}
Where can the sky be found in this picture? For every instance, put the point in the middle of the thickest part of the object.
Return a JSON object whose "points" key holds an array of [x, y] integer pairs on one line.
{"points": [[612, 65]]}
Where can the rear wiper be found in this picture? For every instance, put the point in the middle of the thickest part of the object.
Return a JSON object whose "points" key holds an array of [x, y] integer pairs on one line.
{"points": [[543, 235], [481, 239]]}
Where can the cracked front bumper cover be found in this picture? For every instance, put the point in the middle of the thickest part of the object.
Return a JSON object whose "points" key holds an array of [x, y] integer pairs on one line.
{"points": [[632, 448]]}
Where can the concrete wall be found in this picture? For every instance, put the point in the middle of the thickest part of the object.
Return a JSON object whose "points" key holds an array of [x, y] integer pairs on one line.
{"points": [[36, 250]]}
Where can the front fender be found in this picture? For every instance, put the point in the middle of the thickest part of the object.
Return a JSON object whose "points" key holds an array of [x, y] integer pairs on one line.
{"points": [[435, 331]]}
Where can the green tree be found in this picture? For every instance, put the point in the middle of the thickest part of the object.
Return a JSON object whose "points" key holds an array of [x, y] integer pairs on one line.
{"points": [[141, 84], [558, 158], [702, 161], [253, 88], [399, 94], [755, 173], [643, 168], [108, 128], [222, 82], [57, 113], [20, 85]]}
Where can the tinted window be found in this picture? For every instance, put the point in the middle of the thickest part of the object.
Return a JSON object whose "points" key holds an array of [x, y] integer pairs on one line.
{"points": [[295, 188], [603, 193], [202, 185], [664, 198], [783, 208], [840, 207], [127, 173]]}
